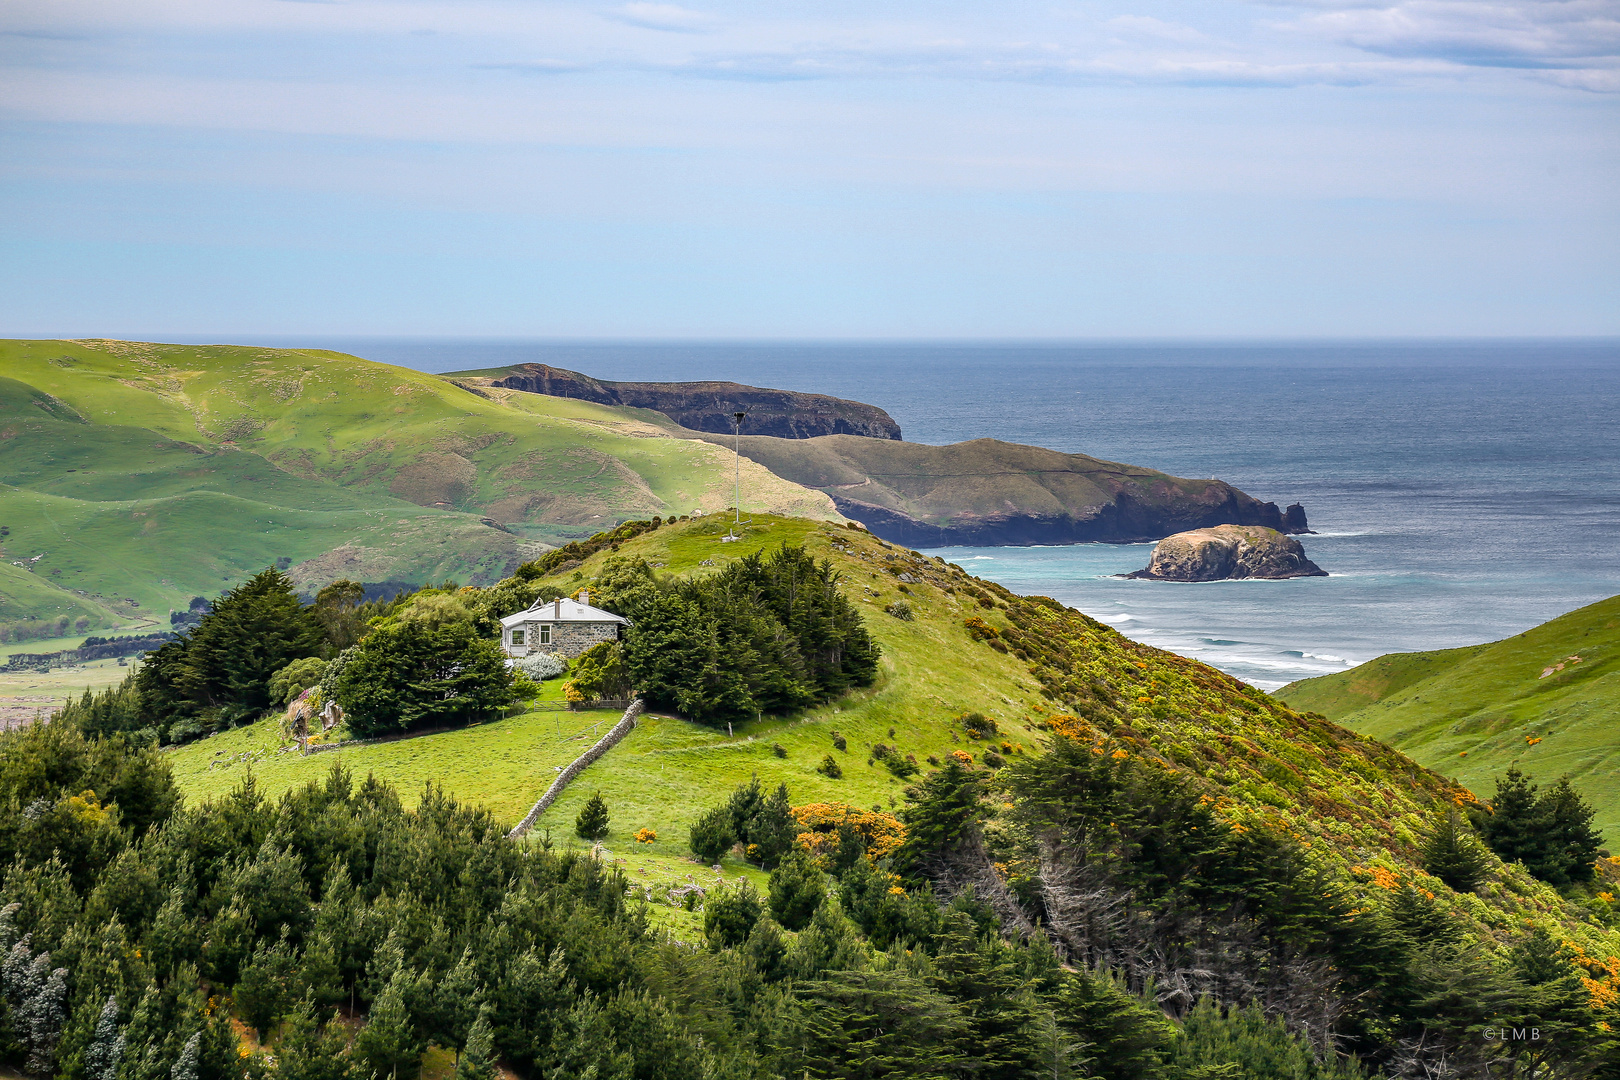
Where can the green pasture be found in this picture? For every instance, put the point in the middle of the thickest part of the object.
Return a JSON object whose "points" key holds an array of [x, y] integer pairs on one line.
{"points": [[1473, 712]]}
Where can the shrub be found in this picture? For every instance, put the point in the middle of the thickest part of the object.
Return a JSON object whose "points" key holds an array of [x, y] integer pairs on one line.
{"points": [[901, 766], [993, 759], [977, 725], [542, 666], [601, 671], [592, 823], [900, 610], [830, 768], [646, 836], [778, 749], [840, 742], [712, 835]]}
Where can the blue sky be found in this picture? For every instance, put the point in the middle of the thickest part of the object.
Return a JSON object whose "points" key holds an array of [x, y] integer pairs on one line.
{"points": [[889, 168]]}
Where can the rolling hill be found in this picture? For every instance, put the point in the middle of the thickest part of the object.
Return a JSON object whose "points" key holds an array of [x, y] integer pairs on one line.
{"points": [[1026, 662], [145, 474], [1546, 700]]}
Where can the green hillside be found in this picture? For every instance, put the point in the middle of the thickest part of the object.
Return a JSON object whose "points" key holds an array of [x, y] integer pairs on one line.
{"points": [[1473, 712], [146, 474], [1361, 805], [986, 491]]}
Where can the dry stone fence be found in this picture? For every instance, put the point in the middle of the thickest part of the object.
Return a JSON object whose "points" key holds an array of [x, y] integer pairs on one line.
{"points": [[579, 765]]}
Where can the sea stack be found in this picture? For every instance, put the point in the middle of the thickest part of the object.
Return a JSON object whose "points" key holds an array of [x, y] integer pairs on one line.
{"points": [[1228, 551]]}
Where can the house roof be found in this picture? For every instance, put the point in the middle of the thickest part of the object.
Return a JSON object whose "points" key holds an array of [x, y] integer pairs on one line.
{"points": [[562, 611]]}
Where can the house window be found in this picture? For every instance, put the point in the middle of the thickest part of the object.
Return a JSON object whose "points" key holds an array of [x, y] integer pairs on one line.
{"points": [[517, 637], [545, 634]]}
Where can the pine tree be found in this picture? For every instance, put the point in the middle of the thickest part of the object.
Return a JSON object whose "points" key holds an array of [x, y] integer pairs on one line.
{"points": [[185, 1066], [1454, 854], [306, 1051], [774, 830], [1514, 827], [729, 915], [389, 1044], [106, 1049], [477, 1060], [796, 889], [942, 810], [592, 823], [1571, 844], [711, 836]]}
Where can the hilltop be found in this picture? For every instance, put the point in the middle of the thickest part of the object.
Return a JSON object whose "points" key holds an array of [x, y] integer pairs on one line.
{"points": [[1027, 663], [145, 474], [701, 406], [1545, 700]]}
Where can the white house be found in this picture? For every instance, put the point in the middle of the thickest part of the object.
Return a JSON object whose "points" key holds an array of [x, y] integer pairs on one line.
{"points": [[559, 626]]}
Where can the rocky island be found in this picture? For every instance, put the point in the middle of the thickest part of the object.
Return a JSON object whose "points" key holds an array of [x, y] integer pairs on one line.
{"points": [[1228, 551]]}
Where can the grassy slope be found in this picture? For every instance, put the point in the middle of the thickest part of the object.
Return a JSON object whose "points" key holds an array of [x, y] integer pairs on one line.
{"points": [[1352, 799], [980, 478], [1475, 711], [194, 466]]}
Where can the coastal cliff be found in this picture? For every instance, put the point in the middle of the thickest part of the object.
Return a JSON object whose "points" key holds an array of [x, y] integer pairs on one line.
{"points": [[992, 493], [1226, 552], [708, 406]]}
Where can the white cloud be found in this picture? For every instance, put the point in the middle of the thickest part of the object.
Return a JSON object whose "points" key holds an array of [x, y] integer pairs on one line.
{"points": [[668, 17], [1580, 38]]}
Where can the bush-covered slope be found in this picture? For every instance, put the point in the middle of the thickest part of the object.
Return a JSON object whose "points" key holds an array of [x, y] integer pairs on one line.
{"points": [[1547, 700], [970, 646]]}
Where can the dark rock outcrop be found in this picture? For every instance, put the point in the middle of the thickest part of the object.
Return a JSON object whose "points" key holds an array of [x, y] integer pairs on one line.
{"points": [[1228, 551], [1294, 520], [708, 406]]}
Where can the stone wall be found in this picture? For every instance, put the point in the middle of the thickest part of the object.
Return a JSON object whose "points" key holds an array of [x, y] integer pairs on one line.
{"points": [[577, 766]]}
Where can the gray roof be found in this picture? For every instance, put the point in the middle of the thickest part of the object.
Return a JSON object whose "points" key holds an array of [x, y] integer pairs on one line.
{"points": [[562, 611]]}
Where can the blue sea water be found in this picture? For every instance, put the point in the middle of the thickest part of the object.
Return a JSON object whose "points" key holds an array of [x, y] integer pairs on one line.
{"points": [[1461, 491]]}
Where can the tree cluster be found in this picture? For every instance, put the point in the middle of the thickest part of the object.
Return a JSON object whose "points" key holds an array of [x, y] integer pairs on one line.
{"points": [[1550, 831], [1127, 867], [768, 633]]}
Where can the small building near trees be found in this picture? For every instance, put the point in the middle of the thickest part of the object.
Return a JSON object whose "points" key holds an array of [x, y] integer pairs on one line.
{"points": [[568, 627]]}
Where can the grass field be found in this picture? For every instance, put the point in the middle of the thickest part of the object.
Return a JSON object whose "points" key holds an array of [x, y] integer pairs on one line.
{"points": [[146, 474], [1474, 712]]}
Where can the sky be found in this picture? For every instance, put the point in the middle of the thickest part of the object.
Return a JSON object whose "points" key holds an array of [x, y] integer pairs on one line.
{"points": [[1030, 169]]}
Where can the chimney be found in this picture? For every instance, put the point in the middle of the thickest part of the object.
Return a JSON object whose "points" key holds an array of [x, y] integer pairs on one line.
{"points": [[585, 597], [556, 609]]}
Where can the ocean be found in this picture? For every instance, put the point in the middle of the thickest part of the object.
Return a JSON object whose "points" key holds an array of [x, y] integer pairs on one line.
{"points": [[1460, 491]]}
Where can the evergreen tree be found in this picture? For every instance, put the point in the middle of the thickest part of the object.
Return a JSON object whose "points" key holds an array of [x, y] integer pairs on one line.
{"points": [[477, 1061], [592, 823], [797, 888], [940, 813], [185, 1067], [730, 914], [106, 1050], [1454, 854], [711, 835], [774, 830], [309, 1051], [1125, 1038], [389, 1044], [1570, 848], [251, 633], [1514, 828]]}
